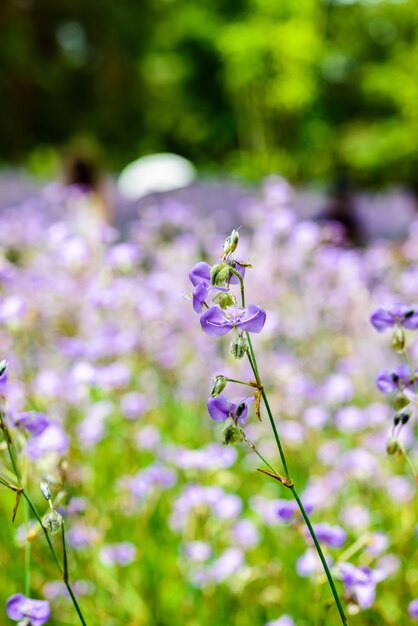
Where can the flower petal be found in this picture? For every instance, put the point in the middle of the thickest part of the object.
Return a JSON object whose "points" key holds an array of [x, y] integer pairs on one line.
{"points": [[219, 408], [214, 323], [253, 320], [200, 273]]}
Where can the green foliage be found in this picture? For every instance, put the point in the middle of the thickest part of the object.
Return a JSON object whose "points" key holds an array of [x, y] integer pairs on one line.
{"points": [[305, 88]]}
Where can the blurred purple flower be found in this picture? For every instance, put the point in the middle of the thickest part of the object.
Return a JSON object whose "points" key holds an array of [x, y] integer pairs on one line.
{"points": [[221, 409], [413, 609], [197, 551], [216, 322], [118, 554], [332, 536], [309, 563], [285, 620], [32, 421], [46, 436], [397, 314], [360, 583], [389, 381], [19, 607]]}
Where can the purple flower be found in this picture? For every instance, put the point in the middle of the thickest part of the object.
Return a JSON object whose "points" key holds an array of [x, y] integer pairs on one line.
{"points": [[389, 381], [332, 536], [200, 278], [220, 408], [413, 609], [52, 439], [118, 554], [19, 607], [32, 421], [397, 314], [200, 274], [360, 583], [216, 322]]}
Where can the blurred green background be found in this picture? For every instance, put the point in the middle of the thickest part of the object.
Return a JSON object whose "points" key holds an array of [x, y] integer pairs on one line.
{"points": [[306, 88]]}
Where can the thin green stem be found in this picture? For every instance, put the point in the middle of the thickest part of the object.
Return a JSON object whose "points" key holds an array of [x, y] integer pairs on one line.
{"points": [[27, 541], [253, 362], [240, 382], [44, 530], [320, 554], [13, 460], [260, 456], [65, 576]]}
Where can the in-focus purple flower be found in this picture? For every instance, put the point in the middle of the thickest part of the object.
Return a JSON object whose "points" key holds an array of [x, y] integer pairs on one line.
{"points": [[389, 381], [220, 409], [19, 607], [413, 609], [200, 279], [216, 322], [395, 315], [200, 274]]}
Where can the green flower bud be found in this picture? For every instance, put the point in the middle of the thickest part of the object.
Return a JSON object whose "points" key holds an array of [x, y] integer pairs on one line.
{"points": [[218, 274], [219, 384], [224, 299], [239, 347], [400, 401], [232, 434], [392, 446], [398, 340], [52, 521], [3, 367], [231, 242]]}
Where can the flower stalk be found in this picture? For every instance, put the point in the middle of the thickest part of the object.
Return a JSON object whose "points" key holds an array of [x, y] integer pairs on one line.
{"points": [[21, 491]]}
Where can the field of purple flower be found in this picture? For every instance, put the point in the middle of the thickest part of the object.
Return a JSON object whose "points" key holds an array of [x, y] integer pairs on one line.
{"points": [[105, 402]]}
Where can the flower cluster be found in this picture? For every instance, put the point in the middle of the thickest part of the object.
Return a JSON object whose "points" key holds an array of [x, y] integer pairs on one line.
{"points": [[401, 381], [223, 317]]}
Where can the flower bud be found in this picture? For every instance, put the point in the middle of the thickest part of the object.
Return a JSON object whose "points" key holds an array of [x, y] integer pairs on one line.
{"points": [[231, 242], [225, 299], [239, 347], [52, 521], [218, 274], [232, 434], [400, 401], [392, 446], [45, 490], [398, 340], [403, 415], [3, 367], [219, 384]]}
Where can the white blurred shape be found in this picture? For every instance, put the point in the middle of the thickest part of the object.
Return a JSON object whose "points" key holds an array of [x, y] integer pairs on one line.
{"points": [[156, 172]]}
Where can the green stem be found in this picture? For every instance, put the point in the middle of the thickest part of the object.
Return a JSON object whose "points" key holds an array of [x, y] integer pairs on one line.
{"points": [[13, 459], [240, 382], [65, 576], [260, 456], [253, 362], [320, 554], [44, 530], [27, 541]]}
